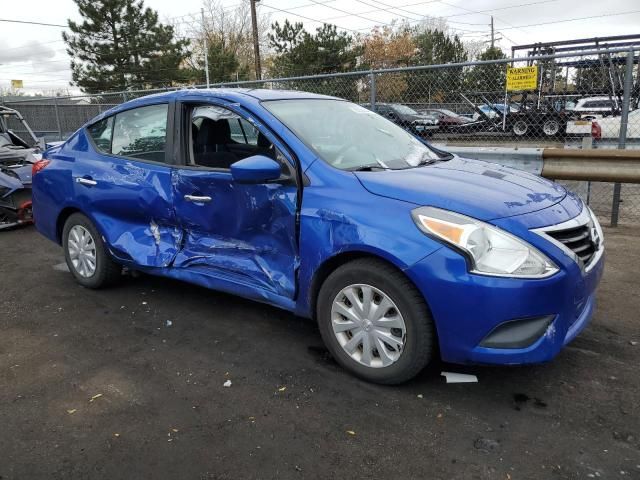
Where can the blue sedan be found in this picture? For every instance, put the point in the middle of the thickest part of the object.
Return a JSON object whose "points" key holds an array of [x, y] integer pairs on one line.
{"points": [[321, 207]]}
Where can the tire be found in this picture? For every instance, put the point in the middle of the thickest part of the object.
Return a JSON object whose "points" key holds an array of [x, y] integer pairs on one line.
{"points": [[520, 128], [105, 272], [387, 283]]}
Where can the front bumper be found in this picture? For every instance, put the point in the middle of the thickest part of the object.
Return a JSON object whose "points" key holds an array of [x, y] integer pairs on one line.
{"points": [[467, 307]]}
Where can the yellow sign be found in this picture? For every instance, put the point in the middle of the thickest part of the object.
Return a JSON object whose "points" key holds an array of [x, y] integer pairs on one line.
{"points": [[17, 84], [522, 78]]}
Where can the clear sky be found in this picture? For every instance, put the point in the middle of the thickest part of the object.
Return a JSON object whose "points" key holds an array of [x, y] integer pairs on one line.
{"points": [[36, 54]]}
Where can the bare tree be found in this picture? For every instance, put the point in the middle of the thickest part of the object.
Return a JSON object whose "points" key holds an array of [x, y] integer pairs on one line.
{"points": [[229, 28]]}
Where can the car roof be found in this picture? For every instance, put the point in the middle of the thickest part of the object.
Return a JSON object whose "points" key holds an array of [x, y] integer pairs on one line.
{"points": [[237, 93], [229, 94]]}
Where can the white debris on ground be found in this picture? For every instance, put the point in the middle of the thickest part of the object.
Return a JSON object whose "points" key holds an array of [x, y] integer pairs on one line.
{"points": [[227, 383], [453, 377]]}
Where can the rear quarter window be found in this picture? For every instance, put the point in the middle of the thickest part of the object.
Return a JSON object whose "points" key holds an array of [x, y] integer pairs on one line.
{"points": [[100, 132]]}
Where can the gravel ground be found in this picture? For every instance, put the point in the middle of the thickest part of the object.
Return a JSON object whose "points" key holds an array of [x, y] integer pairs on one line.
{"points": [[128, 383]]}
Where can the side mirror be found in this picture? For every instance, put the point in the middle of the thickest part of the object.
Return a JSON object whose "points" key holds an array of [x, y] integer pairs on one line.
{"points": [[256, 169]]}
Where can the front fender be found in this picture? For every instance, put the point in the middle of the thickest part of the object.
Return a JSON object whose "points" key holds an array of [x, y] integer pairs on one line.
{"points": [[333, 225]]}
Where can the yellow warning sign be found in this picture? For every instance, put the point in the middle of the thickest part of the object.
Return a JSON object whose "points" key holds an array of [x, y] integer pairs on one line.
{"points": [[522, 78]]}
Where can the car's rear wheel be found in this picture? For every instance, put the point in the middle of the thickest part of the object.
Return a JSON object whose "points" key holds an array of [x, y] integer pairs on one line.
{"points": [[374, 322], [86, 255]]}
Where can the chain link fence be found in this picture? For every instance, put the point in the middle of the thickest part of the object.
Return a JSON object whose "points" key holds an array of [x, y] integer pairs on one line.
{"points": [[588, 100]]}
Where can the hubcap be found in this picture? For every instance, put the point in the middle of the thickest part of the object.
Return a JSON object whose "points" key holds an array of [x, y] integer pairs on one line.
{"points": [[82, 251], [368, 325], [551, 128], [520, 128]]}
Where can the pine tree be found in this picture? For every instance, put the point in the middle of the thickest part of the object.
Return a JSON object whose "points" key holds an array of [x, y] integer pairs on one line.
{"points": [[435, 47], [488, 79], [121, 45], [301, 53]]}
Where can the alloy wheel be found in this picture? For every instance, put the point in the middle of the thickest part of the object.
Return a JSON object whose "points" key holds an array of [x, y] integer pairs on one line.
{"points": [[368, 325]]}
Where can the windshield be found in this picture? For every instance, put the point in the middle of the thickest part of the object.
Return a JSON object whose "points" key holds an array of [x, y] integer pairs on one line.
{"points": [[404, 109], [348, 136]]}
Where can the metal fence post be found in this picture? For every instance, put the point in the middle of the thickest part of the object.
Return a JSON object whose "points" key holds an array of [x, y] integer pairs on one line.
{"points": [[622, 139], [57, 112], [372, 100]]}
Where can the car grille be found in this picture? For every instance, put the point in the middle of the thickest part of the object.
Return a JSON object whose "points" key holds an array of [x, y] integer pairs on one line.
{"points": [[580, 240]]}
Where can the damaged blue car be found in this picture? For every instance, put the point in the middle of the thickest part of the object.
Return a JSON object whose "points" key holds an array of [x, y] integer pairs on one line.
{"points": [[398, 250]]}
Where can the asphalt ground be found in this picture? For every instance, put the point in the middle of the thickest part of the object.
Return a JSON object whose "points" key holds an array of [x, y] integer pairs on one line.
{"points": [[128, 383]]}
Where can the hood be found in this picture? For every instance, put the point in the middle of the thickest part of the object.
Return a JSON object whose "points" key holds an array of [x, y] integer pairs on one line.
{"points": [[482, 190]]}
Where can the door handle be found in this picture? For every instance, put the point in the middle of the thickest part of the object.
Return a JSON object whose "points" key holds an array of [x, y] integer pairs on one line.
{"points": [[197, 198], [86, 181]]}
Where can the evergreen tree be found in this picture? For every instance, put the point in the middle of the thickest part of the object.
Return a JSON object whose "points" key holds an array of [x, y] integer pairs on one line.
{"points": [[488, 79], [300, 53], [121, 45], [434, 47]]}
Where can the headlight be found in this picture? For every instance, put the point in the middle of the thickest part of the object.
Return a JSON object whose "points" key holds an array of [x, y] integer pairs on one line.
{"points": [[492, 251], [597, 236]]}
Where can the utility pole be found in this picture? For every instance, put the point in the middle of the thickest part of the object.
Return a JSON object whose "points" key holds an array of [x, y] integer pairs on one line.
{"points": [[493, 40], [256, 44], [206, 49]]}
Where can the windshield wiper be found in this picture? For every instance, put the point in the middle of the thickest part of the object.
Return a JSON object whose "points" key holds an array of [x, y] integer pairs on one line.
{"points": [[372, 167], [427, 161], [431, 161]]}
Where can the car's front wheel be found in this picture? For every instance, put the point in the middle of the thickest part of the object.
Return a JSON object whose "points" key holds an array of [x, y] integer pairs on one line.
{"points": [[86, 255], [374, 322]]}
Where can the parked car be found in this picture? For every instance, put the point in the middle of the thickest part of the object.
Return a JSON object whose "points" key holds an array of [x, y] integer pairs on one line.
{"points": [[449, 121], [446, 117], [17, 157], [605, 127], [417, 123], [398, 250], [591, 106]]}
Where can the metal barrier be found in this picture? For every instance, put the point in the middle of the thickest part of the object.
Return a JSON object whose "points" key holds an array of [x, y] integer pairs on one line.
{"points": [[621, 166]]}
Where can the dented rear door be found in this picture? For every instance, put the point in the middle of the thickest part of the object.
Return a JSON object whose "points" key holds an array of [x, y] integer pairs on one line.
{"points": [[122, 179]]}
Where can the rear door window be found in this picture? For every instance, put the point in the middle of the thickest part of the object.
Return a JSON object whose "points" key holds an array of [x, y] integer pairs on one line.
{"points": [[141, 133]]}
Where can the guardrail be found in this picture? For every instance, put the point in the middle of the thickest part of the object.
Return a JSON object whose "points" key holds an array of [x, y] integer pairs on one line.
{"points": [[583, 165], [598, 165], [621, 166]]}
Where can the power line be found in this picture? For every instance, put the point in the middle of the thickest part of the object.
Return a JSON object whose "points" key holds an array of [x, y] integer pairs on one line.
{"points": [[25, 22], [574, 19], [304, 17], [344, 11], [378, 9]]}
